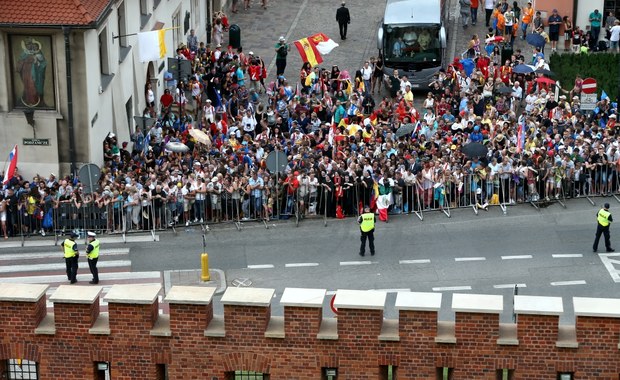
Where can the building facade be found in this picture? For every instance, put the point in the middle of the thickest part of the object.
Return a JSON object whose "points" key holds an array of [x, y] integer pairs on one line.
{"points": [[67, 79], [134, 337]]}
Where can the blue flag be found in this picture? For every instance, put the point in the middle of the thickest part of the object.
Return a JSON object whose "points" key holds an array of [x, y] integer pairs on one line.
{"points": [[604, 95]]}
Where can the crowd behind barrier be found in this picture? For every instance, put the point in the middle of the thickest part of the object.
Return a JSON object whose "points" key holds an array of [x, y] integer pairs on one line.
{"points": [[480, 188], [203, 159]]}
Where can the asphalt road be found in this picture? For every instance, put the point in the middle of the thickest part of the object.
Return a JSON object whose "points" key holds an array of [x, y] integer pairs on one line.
{"points": [[546, 252]]}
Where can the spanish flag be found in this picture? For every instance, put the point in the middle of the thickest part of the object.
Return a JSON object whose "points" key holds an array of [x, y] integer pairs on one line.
{"points": [[152, 45], [309, 53]]}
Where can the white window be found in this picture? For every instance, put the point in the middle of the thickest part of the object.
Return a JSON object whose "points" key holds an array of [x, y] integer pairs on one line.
{"points": [[104, 59], [176, 31], [195, 14], [122, 25]]}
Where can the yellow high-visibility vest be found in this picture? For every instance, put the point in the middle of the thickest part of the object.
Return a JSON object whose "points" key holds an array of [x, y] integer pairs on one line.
{"points": [[602, 217], [368, 222], [68, 248], [95, 252]]}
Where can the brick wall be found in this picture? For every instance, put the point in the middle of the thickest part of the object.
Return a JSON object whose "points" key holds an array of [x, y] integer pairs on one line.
{"points": [[134, 352]]}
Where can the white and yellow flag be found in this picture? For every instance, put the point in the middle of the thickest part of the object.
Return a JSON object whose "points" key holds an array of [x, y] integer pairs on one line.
{"points": [[152, 45]]}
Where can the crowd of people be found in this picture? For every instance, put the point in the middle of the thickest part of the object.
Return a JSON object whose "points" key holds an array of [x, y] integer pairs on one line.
{"points": [[350, 142], [512, 21]]}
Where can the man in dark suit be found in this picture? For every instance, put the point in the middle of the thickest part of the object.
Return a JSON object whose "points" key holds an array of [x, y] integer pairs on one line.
{"points": [[344, 18]]}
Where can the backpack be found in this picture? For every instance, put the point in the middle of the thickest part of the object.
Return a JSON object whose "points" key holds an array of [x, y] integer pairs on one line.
{"points": [[283, 51]]}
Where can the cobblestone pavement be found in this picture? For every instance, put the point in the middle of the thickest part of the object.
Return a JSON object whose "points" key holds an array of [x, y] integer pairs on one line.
{"points": [[260, 30]]}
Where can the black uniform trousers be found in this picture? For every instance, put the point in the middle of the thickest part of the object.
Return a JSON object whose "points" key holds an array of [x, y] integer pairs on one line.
{"points": [[72, 268], [343, 30], [370, 235], [92, 265], [605, 232]]}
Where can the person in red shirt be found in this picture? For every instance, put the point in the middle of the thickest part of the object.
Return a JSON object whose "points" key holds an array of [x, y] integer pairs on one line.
{"points": [[255, 72], [166, 101]]}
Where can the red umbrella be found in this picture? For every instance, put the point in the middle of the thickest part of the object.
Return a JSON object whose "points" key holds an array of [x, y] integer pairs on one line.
{"points": [[545, 80]]}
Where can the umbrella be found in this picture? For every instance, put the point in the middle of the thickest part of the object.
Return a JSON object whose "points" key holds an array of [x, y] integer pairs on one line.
{"points": [[535, 40], [504, 90], [405, 129], [548, 73], [475, 150], [523, 69], [177, 147], [545, 80], [494, 39], [200, 136]]}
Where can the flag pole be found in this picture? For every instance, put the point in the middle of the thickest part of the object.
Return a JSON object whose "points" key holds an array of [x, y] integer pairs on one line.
{"points": [[135, 34]]}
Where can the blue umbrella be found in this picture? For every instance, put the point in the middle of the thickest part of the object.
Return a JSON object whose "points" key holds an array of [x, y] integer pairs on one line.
{"points": [[468, 65], [535, 40], [523, 69]]}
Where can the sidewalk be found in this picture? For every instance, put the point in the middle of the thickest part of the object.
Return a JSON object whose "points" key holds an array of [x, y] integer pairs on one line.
{"points": [[191, 277]]}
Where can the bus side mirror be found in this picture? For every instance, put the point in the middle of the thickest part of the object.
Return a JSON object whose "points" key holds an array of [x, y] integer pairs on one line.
{"points": [[442, 37], [380, 38]]}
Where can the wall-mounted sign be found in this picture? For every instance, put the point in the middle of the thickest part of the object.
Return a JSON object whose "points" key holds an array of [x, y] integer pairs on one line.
{"points": [[37, 142]]}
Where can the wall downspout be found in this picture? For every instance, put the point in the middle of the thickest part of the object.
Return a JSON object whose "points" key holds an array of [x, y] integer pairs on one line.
{"points": [[66, 31]]}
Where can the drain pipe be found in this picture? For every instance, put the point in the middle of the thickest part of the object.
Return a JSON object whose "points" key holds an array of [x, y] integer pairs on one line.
{"points": [[66, 31]]}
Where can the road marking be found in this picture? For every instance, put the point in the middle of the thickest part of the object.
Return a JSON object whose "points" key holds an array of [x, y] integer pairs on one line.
{"points": [[609, 260], [59, 266], [450, 288], [348, 263], [420, 261], [509, 286], [564, 283], [517, 257], [261, 266], [57, 254], [296, 265], [566, 255], [392, 290], [470, 258]]}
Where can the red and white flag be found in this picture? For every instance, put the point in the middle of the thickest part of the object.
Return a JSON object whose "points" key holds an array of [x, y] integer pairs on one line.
{"points": [[312, 48], [9, 170]]}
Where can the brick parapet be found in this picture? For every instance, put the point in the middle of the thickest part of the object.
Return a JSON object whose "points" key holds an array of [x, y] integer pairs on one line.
{"points": [[358, 351]]}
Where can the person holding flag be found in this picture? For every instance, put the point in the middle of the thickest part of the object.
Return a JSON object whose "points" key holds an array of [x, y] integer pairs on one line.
{"points": [[11, 167]]}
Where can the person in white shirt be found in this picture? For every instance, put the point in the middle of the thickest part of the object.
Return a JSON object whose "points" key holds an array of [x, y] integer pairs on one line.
{"points": [[209, 112], [614, 38], [404, 82], [249, 123], [367, 74]]}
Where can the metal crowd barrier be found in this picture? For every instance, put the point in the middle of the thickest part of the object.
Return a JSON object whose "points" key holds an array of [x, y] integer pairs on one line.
{"points": [[475, 189]]}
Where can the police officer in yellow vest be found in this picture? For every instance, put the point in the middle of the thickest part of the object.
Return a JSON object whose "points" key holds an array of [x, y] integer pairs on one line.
{"points": [[603, 217], [367, 227], [92, 252], [70, 249]]}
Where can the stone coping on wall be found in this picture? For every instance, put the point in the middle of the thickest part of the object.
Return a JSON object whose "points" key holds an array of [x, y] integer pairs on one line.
{"points": [[141, 294], [192, 295], [76, 294], [303, 297], [248, 296], [477, 303], [418, 301], [360, 299], [22, 292], [538, 305], [596, 307]]}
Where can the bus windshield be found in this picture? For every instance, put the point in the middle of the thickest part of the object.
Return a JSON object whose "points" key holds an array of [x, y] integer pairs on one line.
{"points": [[412, 46]]}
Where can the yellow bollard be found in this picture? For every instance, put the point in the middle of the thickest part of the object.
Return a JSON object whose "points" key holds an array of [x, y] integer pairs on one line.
{"points": [[204, 263]]}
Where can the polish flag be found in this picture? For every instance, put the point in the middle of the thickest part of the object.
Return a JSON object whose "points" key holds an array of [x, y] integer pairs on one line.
{"points": [[9, 171]]}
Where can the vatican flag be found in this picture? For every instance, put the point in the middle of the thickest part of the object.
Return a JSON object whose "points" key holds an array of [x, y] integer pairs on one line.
{"points": [[152, 45]]}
